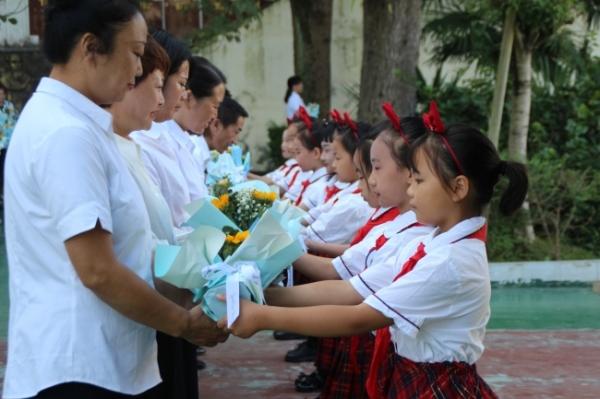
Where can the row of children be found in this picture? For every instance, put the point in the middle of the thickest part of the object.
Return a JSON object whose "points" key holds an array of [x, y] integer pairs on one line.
{"points": [[400, 290]]}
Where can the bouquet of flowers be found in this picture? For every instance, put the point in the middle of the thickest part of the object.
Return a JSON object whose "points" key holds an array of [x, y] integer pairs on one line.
{"points": [[232, 164], [253, 260]]}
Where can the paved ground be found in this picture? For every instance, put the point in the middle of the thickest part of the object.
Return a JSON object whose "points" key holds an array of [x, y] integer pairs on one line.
{"points": [[518, 364]]}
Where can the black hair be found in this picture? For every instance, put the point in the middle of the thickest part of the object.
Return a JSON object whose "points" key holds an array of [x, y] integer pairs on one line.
{"points": [[155, 57], [350, 139], [66, 21], [203, 78], [230, 111], [412, 128], [3, 88], [310, 138], [291, 82], [177, 50], [479, 161], [203, 60]]}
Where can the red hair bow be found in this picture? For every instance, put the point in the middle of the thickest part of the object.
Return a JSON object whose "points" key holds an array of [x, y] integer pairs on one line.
{"points": [[351, 124], [433, 120], [388, 109], [336, 117], [305, 118]]}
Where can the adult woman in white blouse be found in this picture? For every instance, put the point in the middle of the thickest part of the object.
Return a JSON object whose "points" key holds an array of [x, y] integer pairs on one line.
{"points": [[176, 358], [83, 309]]}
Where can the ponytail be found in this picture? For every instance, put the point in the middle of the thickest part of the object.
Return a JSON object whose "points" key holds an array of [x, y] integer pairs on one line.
{"points": [[288, 93], [291, 82], [518, 184]]}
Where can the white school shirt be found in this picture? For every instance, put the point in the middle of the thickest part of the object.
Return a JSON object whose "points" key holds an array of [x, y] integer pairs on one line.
{"points": [[315, 193], [340, 223], [398, 233], [201, 151], [289, 178], [345, 189], [64, 175], [162, 166], [192, 170], [294, 189], [156, 205], [440, 308], [280, 171], [294, 102]]}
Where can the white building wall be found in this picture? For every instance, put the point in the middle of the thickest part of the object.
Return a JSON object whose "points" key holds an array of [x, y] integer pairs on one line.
{"points": [[18, 34]]}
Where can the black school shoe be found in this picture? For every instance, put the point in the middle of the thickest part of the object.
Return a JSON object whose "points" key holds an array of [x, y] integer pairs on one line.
{"points": [[306, 351], [309, 383], [285, 336]]}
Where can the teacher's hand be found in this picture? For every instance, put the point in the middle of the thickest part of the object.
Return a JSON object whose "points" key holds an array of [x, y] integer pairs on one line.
{"points": [[202, 331]]}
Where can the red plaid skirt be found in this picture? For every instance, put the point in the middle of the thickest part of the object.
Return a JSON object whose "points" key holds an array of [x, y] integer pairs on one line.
{"points": [[326, 348], [350, 368], [447, 380]]}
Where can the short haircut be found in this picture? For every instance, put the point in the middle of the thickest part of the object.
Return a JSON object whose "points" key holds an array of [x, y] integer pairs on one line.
{"points": [[155, 57], [66, 21], [230, 111]]}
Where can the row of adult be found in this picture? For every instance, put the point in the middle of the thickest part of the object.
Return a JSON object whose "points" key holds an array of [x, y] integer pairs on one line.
{"points": [[104, 158]]}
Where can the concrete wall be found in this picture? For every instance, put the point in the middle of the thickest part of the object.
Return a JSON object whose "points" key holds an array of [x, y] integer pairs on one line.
{"points": [[586, 271]]}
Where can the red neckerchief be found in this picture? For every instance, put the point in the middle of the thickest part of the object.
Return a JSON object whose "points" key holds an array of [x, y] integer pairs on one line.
{"points": [[385, 217], [305, 184], [357, 191], [382, 240], [330, 191], [294, 178], [291, 168], [384, 337]]}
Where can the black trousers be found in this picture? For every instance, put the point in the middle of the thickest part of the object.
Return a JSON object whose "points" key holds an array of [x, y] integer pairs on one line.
{"points": [[178, 368], [75, 390]]}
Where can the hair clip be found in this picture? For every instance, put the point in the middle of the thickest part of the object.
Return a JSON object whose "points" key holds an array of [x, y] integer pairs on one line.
{"points": [[432, 119], [336, 117], [434, 123], [388, 110], [305, 118], [351, 125]]}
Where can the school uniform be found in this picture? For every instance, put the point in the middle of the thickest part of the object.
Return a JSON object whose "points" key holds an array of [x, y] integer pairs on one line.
{"points": [[327, 347], [352, 358], [341, 222], [289, 178], [437, 293], [297, 186], [333, 193], [316, 192], [281, 171], [310, 184]]}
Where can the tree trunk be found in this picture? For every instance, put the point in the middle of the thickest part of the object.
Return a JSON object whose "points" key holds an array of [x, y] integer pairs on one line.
{"points": [[312, 49], [391, 37], [520, 112], [502, 71]]}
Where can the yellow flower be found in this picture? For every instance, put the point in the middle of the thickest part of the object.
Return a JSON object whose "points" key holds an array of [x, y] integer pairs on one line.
{"points": [[264, 196], [238, 238], [221, 202]]}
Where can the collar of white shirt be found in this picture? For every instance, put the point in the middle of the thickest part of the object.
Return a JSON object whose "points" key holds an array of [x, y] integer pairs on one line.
{"points": [[457, 232], [318, 174], [78, 101], [179, 135], [401, 222]]}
